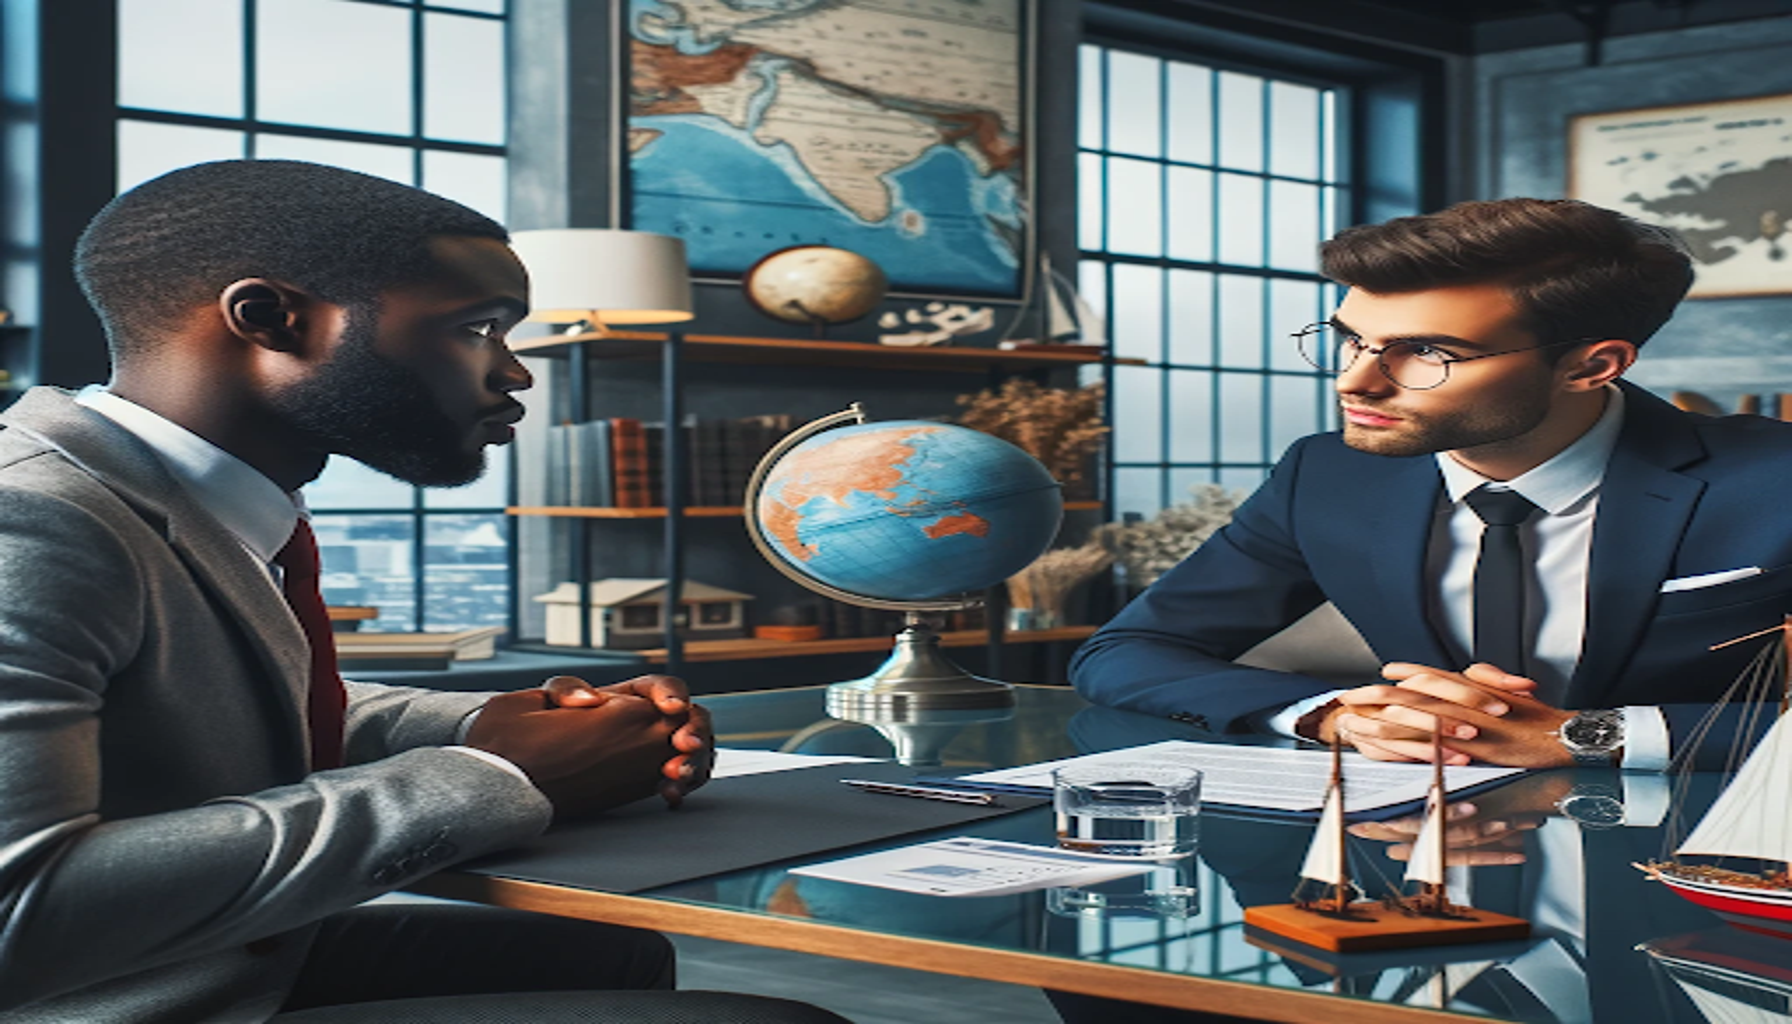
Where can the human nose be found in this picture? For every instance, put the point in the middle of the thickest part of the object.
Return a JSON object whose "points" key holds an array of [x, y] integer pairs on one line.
{"points": [[1364, 375], [510, 374]]}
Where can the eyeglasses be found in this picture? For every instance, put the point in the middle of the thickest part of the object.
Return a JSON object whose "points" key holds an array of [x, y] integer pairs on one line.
{"points": [[1413, 365]]}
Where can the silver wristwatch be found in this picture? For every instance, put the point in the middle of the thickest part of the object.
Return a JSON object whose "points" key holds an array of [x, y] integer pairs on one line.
{"points": [[1593, 806], [1594, 738]]}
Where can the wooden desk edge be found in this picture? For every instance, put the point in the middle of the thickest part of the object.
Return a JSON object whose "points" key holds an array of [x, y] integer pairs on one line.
{"points": [[940, 957]]}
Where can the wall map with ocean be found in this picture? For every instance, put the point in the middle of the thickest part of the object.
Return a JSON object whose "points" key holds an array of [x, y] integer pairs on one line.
{"points": [[889, 127]]}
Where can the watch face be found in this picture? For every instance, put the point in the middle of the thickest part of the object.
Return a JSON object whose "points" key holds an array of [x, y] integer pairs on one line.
{"points": [[1598, 811], [1594, 732]]}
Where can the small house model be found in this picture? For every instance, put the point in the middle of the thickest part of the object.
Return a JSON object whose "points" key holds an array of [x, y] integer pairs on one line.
{"points": [[626, 613]]}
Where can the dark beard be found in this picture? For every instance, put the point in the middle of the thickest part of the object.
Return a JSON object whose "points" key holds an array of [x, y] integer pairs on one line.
{"points": [[1457, 432], [364, 406]]}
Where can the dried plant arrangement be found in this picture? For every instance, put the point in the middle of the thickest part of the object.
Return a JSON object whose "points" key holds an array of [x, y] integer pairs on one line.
{"points": [[1058, 426], [1150, 548], [1043, 587]]}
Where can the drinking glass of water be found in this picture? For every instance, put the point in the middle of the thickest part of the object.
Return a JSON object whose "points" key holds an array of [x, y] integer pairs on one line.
{"points": [[1128, 809]]}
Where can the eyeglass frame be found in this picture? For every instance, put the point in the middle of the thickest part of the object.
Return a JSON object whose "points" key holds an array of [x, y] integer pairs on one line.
{"points": [[1449, 358]]}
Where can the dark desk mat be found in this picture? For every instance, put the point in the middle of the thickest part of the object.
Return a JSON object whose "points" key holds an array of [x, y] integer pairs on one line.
{"points": [[731, 824]]}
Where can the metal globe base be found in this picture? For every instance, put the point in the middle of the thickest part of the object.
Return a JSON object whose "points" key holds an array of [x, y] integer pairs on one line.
{"points": [[918, 699]]}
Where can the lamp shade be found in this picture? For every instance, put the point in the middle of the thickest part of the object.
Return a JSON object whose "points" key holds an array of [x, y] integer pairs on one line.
{"points": [[605, 275]]}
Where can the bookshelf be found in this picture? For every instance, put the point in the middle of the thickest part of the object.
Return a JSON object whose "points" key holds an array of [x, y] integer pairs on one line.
{"points": [[673, 351]]}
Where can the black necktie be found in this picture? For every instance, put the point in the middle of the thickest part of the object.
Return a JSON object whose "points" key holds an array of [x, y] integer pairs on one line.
{"points": [[1499, 578]]}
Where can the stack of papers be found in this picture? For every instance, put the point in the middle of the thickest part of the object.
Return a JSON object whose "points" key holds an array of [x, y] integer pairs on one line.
{"points": [[974, 867]]}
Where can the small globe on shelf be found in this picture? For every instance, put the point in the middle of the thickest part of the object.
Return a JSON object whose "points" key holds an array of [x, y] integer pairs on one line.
{"points": [[815, 285], [906, 515]]}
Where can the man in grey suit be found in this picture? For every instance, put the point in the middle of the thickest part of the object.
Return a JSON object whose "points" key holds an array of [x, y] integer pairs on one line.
{"points": [[190, 803]]}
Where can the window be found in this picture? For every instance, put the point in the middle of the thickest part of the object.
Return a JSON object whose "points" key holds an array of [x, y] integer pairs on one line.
{"points": [[1205, 192], [411, 90]]}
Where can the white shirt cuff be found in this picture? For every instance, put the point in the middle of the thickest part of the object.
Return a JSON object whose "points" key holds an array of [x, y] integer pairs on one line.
{"points": [[1647, 746], [1646, 799], [1282, 724], [493, 759]]}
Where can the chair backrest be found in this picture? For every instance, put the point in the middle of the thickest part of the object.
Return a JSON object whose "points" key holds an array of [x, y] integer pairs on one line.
{"points": [[1322, 644]]}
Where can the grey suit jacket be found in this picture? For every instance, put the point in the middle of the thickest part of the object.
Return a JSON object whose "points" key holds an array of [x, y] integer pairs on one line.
{"points": [[164, 850]]}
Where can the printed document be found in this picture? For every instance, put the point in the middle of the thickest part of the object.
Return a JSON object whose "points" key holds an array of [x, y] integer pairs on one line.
{"points": [[731, 762], [968, 866], [1264, 778]]}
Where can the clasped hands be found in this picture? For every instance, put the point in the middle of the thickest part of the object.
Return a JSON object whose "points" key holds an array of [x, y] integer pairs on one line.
{"points": [[1482, 714], [589, 748]]}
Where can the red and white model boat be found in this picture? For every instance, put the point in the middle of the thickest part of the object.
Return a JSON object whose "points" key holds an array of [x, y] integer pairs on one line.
{"points": [[1751, 820]]}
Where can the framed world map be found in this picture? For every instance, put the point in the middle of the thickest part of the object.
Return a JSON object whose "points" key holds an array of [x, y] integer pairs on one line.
{"points": [[893, 128], [1718, 173]]}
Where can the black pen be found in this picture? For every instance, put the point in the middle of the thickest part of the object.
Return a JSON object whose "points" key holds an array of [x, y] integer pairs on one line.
{"points": [[954, 796]]}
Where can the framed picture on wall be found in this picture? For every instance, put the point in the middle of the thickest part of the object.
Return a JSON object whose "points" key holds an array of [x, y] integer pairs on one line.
{"points": [[1718, 173], [898, 129]]}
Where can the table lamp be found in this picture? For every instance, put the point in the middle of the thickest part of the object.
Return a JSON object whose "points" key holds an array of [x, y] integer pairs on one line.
{"points": [[591, 277]]}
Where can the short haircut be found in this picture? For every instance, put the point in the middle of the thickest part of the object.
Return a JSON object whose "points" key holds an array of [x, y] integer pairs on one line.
{"points": [[175, 242], [1576, 270]]}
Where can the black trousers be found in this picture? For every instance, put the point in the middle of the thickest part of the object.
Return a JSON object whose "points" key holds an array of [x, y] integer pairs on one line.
{"points": [[416, 963]]}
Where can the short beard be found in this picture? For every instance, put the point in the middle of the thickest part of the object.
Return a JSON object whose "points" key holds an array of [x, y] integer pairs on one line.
{"points": [[363, 406], [1491, 425]]}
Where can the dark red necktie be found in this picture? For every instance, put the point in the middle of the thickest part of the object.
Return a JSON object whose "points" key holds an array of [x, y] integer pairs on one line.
{"points": [[328, 699]]}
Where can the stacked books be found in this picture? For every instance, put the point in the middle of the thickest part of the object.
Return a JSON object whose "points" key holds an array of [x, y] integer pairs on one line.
{"points": [[620, 462], [426, 651]]}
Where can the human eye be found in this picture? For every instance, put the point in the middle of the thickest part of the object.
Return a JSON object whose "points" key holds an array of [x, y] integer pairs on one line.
{"points": [[1425, 353], [491, 329]]}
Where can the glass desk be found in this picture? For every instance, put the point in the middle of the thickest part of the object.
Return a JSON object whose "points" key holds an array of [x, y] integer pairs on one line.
{"points": [[1590, 909]]}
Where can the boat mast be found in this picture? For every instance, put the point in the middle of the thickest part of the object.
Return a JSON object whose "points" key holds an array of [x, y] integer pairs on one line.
{"points": [[1341, 899]]}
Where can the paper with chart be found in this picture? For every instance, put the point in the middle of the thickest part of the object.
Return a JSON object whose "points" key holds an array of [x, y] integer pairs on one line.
{"points": [[968, 866], [1266, 778]]}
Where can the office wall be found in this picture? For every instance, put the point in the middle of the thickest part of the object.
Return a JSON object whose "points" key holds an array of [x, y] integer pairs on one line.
{"points": [[1522, 102]]}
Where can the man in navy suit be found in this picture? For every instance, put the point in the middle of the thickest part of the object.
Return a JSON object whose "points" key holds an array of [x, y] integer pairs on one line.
{"points": [[1478, 355]]}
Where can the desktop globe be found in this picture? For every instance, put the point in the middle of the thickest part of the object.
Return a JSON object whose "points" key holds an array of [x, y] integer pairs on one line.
{"points": [[907, 515]]}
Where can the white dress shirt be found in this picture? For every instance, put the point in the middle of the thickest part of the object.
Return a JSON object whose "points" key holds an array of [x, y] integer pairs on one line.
{"points": [[1559, 543], [240, 497]]}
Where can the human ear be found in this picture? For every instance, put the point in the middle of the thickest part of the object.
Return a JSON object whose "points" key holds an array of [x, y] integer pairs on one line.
{"points": [[264, 313], [1599, 364]]}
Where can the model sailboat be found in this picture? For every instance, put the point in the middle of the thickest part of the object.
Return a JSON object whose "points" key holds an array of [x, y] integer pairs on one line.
{"points": [[1337, 921], [1751, 819], [1054, 308]]}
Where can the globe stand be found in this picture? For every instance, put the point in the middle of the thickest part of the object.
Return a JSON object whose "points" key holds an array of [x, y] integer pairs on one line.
{"points": [[918, 698]]}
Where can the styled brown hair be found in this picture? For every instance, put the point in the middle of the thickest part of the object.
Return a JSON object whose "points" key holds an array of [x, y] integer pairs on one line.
{"points": [[1577, 270]]}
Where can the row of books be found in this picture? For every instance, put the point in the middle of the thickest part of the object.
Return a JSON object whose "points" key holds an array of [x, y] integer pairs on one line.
{"points": [[620, 462]]}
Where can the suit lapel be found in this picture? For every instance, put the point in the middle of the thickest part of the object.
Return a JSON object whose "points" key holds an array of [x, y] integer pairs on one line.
{"points": [[127, 466], [1644, 508], [1398, 535]]}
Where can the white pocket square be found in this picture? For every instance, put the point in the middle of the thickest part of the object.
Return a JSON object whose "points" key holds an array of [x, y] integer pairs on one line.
{"points": [[1710, 579]]}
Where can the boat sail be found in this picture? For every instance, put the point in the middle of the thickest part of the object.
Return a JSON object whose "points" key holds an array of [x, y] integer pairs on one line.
{"points": [[1751, 818], [1426, 866], [1326, 861]]}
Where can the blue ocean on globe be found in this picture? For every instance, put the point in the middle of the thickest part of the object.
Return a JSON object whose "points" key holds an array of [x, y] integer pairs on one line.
{"points": [[908, 510], [688, 183]]}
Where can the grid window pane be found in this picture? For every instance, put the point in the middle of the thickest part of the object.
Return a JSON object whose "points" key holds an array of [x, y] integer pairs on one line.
{"points": [[1294, 139], [1135, 207], [1191, 214], [1330, 167], [489, 491], [1089, 121], [482, 6], [157, 41], [1241, 121], [1241, 220], [147, 149], [1091, 186], [1292, 306], [1092, 285], [1138, 312], [1191, 113], [1237, 478], [1294, 226], [1138, 414], [466, 571], [1294, 410], [1184, 481], [463, 78], [1191, 416], [394, 162], [1134, 105], [334, 64], [1138, 492], [1241, 417], [475, 179], [345, 483], [1241, 321], [367, 561], [1191, 318]]}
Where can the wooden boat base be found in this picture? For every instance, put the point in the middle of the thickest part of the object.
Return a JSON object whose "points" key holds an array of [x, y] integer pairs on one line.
{"points": [[1371, 925]]}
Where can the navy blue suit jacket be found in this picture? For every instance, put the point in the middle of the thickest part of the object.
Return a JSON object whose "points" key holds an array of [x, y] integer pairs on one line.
{"points": [[1683, 495]]}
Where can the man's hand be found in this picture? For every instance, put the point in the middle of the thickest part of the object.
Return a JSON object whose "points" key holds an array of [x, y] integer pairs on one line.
{"points": [[1482, 713], [693, 742], [584, 759]]}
